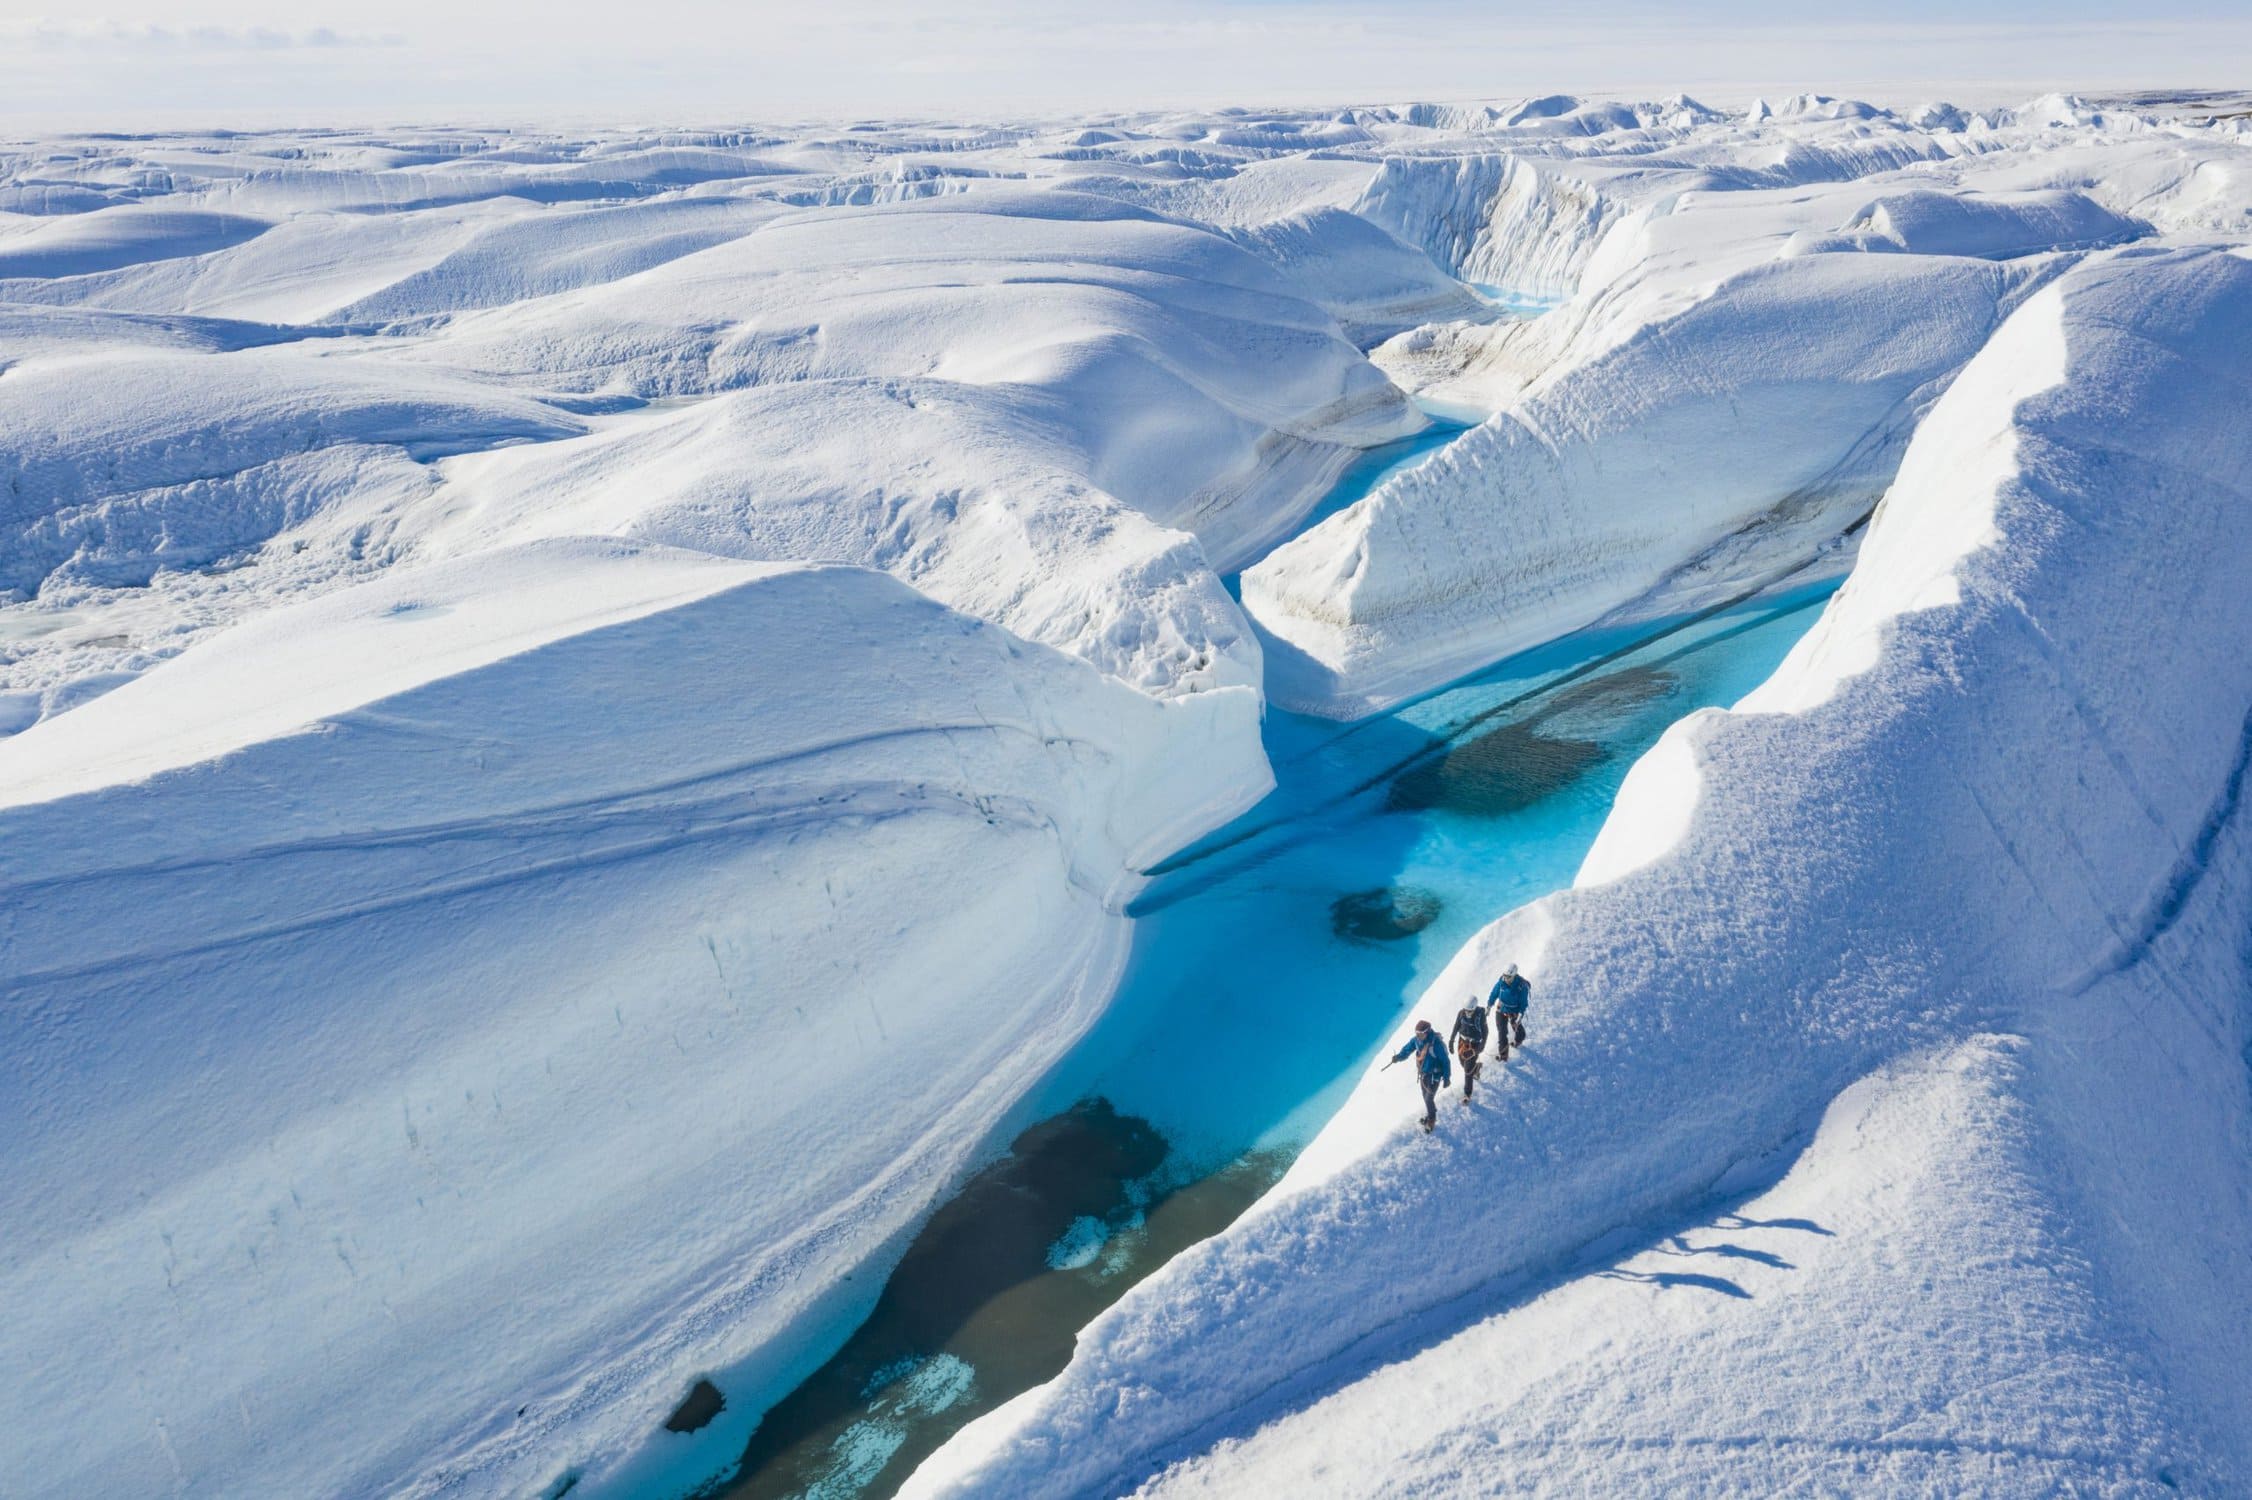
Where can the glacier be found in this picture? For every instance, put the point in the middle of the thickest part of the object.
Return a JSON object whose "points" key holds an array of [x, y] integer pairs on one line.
{"points": [[582, 714]]}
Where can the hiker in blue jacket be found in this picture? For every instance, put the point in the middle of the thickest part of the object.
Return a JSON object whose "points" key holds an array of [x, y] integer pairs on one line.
{"points": [[1432, 1069], [1511, 993]]}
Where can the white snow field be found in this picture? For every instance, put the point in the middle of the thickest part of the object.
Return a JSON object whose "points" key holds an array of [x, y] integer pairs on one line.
{"points": [[579, 714], [1754, 331]]}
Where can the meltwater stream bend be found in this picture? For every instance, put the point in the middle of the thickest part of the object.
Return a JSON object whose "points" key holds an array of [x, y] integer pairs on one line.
{"points": [[1269, 961]]}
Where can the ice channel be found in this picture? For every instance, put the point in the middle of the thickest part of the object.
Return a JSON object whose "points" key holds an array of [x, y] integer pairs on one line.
{"points": [[1270, 961]]}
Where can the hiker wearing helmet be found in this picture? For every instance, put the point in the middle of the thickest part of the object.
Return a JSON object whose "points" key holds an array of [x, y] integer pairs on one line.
{"points": [[1469, 1038], [1431, 1068], [1511, 992]]}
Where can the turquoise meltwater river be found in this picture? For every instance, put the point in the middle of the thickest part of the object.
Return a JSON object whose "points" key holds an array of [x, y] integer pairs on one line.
{"points": [[1270, 961]]}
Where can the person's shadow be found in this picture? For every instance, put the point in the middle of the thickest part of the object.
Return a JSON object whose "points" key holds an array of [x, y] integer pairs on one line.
{"points": [[1673, 1280]]}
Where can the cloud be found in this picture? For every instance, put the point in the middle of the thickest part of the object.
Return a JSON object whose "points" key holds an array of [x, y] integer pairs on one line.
{"points": [[145, 38]]}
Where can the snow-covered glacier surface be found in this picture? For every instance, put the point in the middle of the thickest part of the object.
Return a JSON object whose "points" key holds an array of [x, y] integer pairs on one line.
{"points": [[583, 713], [1755, 329]]}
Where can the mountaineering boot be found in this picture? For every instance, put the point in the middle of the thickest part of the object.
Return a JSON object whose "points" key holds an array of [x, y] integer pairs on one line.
{"points": [[1427, 1124]]}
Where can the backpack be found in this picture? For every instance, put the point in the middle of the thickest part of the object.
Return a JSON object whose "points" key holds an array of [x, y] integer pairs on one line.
{"points": [[1473, 1024], [1431, 1056]]}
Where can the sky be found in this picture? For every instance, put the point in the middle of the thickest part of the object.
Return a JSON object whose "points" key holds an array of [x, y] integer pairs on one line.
{"points": [[220, 62]]}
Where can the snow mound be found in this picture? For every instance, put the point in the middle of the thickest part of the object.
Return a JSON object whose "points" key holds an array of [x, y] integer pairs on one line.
{"points": [[188, 458], [86, 243], [1374, 285], [517, 258], [1779, 403], [1089, 411], [469, 967], [985, 509], [1961, 896], [1935, 223]]}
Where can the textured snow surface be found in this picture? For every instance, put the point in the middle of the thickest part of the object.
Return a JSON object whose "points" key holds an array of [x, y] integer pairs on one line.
{"points": [[1885, 1118], [1055, 410], [1755, 328], [533, 663], [487, 970]]}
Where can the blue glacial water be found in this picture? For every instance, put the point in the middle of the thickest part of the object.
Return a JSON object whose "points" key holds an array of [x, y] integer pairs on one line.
{"points": [[1272, 958], [1519, 303], [1362, 477], [1270, 961]]}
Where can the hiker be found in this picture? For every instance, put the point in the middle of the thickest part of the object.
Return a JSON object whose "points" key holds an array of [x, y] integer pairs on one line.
{"points": [[1510, 994], [1431, 1068], [1469, 1038]]}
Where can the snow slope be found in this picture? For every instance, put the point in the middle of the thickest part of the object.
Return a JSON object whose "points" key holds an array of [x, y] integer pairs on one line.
{"points": [[467, 983], [1885, 1119], [1093, 413]]}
